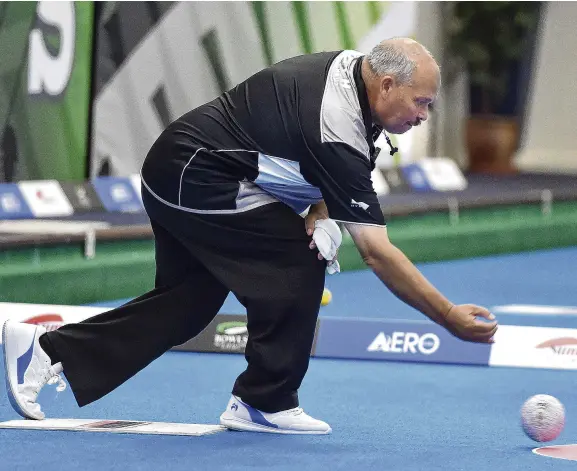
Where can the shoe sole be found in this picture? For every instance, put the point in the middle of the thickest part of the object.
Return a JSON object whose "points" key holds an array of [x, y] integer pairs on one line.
{"points": [[11, 396], [248, 426]]}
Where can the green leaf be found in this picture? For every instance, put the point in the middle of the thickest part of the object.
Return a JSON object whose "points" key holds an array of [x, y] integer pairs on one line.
{"points": [[488, 36]]}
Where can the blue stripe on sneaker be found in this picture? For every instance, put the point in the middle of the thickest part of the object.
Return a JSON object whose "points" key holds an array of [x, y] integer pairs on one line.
{"points": [[257, 417], [11, 396], [23, 361]]}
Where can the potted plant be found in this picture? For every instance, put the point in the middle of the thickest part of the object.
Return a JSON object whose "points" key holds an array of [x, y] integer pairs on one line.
{"points": [[491, 40]]}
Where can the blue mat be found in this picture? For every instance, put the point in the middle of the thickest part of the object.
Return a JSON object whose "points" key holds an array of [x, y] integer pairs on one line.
{"points": [[385, 415]]}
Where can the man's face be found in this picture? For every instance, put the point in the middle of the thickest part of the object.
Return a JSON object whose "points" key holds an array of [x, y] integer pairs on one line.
{"points": [[399, 107]]}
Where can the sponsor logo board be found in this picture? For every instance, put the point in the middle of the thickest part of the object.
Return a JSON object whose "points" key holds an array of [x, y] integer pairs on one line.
{"points": [[82, 196], [395, 340], [46, 198], [227, 333], [416, 177], [12, 203], [535, 347], [50, 316], [118, 194]]}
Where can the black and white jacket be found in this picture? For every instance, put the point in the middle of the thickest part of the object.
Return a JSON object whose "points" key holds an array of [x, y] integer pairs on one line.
{"points": [[296, 132]]}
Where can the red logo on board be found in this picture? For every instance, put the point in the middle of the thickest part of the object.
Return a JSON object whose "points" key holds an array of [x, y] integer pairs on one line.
{"points": [[561, 346], [49, 321]]}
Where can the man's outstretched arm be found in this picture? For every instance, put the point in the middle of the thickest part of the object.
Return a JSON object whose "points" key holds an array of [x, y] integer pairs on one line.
{"points": [[406, 282]]}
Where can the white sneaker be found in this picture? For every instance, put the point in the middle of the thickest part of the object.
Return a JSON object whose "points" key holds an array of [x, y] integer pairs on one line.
{"points": [[241, 416], [27, 368]]}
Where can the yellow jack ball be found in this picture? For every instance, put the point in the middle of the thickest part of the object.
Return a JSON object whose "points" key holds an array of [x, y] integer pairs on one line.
{"points": [[327, 297]]}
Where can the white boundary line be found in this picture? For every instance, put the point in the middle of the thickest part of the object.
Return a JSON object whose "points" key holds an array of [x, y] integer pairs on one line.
{"points": [[534, 309], [536, 451]]}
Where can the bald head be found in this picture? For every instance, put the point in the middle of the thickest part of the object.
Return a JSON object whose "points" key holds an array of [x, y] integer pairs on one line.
{"points": [[400, 57]]}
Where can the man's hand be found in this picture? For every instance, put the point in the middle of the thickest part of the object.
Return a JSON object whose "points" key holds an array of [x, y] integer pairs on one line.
{"points": [[316, 212], [406, 282], [462, 322], [326, 236]]}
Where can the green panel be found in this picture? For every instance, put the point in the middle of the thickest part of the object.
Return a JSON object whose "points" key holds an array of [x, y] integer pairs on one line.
{"points": [[300, 13], [16, 20], [61, 275], [374, 11], [263, 29], [285, 39], [52, 131], [211, 45], [347, 41], [291, 28], [358, 21], [325, 30]]}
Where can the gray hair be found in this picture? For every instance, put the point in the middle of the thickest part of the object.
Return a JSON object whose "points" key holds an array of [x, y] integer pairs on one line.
{"points": [[387, 58]]}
